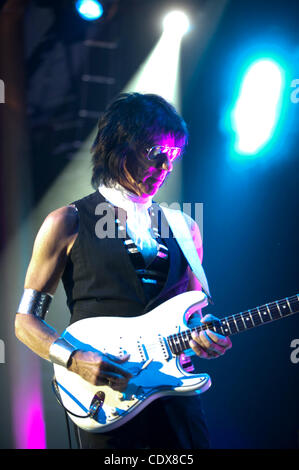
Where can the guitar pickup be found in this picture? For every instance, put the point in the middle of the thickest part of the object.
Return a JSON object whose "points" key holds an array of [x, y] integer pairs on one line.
{"points": [[165, 348], [142, 351]]}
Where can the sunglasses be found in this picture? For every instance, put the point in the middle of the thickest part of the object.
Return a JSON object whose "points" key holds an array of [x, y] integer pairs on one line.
{"points": [[158, 150]]}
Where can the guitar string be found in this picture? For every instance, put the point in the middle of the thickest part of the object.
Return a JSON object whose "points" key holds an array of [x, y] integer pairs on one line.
{"points": [[254, 313], [230, 320]]}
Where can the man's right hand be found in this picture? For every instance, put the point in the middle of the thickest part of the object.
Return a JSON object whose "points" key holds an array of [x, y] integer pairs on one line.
{"points": [[101, 369]]}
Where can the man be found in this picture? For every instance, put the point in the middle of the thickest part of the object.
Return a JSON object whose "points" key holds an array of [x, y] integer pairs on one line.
{"points": [[139, 138]]}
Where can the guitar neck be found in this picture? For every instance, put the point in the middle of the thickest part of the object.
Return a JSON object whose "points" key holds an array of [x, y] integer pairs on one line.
{"points": [[238, 322]]}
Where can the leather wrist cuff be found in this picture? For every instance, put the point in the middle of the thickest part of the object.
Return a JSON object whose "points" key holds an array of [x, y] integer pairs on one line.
{"points": [[35, 303]]}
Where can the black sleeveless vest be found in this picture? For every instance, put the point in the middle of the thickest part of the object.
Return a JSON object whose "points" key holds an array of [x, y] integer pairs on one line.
{"points": [[100, 278]]}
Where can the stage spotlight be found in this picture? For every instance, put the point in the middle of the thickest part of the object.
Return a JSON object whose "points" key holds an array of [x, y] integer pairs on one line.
{"points": [[176, 22], [89, 10], [160, 72], [257, 108]]}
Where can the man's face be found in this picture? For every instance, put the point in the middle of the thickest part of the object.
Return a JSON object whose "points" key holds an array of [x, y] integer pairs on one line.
{"points": [[158, 168]]}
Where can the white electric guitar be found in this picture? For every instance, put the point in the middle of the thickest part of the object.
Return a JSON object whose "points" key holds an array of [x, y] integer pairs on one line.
{"points": [[154, 341]]}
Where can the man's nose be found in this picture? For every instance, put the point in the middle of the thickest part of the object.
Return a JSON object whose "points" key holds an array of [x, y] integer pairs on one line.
{"points": [[167, 165]]}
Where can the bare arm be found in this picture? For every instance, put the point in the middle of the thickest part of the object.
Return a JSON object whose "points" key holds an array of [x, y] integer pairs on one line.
{"points": [[50, 253]]}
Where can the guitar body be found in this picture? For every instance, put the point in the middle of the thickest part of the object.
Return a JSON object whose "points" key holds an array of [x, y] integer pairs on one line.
{"points": [[156, 370]]}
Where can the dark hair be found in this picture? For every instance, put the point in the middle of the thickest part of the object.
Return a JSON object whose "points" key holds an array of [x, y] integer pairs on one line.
{"points": [[131, 123]]}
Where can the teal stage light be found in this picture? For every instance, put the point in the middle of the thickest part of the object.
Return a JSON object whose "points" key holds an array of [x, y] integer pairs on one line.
{"points": [[257, 110], [89, 10]]}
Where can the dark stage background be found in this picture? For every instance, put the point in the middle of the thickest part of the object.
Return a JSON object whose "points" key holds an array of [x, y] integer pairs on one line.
{"points": [[250, 212]]}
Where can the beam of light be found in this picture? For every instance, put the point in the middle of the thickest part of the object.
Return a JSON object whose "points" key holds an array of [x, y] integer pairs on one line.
{"points": [[258, 106], [159, 73], [89, 10]]}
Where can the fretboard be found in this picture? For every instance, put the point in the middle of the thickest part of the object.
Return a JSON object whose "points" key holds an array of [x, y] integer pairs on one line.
{"points": [[238, 322]]}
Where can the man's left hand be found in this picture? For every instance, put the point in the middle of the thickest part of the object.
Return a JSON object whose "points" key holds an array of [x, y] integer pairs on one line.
{"points": [[208, 344]]}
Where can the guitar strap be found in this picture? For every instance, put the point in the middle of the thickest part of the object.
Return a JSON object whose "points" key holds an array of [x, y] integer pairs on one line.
{"points": [[181, 232]]}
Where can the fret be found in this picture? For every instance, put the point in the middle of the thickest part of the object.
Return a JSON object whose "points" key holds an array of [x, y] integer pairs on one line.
{"points": [[269, 311], [240, 322], [179, 341], [233, 317], [172, 344], [264, 314], [185, 340], [232, 325], [249, 311], [241, 316], [176, 343], [280, 312], [189, 337], [227, 330], [247, 319], [275, 312], [217, 327], [287, 300], [221, 327], [260, 315], [284, 307], [256, 317], [294, 301]]}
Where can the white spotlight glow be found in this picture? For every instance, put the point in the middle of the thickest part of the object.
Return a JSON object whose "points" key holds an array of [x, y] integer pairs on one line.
{"points": [[176, 22]]}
